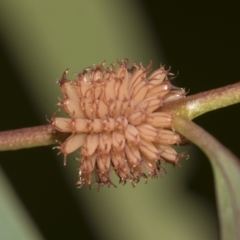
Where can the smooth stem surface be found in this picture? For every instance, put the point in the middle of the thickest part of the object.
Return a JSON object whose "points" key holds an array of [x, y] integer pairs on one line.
{"points": [[198, 104], [226, 168], [29, 137]]}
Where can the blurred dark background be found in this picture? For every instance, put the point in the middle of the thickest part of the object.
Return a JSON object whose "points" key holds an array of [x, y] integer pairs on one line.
{"points": [[200, 41]]}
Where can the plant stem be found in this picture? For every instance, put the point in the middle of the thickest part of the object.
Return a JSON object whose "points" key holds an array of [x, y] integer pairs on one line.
{"points": [[189, 107], [198, 104], [29, 137], [226, 168]]}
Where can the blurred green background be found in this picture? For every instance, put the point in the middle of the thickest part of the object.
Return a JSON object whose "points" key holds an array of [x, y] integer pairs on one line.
{"points": [[38, 41]]}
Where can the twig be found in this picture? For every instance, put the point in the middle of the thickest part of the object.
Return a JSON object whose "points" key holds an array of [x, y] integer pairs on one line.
{"points": [[29, 137]]}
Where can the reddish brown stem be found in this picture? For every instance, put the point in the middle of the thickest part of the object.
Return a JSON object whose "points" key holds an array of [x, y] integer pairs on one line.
{"points": [[189, 107], [29, 137]]}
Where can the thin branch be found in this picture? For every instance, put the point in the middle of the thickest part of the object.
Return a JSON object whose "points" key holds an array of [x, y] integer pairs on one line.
{"points": [[29, 137], [189, 107], [198, 104]]}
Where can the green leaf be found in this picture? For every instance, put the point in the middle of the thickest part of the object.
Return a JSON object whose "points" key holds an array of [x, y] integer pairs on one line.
{"points": [[226, 168], [15, 222]]}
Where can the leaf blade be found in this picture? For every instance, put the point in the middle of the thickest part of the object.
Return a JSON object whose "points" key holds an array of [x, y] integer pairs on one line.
{"points": [[226, 168]]}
